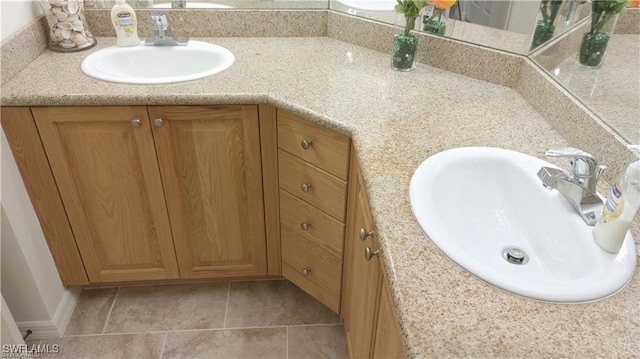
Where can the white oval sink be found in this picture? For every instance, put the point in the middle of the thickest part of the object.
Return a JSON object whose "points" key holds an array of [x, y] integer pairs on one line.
{"points": [[474, 203], [157, 64]]}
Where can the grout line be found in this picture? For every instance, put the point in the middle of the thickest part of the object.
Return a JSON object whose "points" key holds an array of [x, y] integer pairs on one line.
{"points": [[257, 279], [106, 322], [210, 329], [314, 325], [226, 308], [164, 344], [204, 330], [111, 334]]}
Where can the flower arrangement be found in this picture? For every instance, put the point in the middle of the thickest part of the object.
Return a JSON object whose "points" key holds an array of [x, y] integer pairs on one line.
{"points": [[603, 10], [594, 42], [434, 23], [411, 10]]}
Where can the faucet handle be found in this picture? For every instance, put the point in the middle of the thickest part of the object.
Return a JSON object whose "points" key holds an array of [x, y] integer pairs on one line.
{"points": [[160, 19], [583, 164]]}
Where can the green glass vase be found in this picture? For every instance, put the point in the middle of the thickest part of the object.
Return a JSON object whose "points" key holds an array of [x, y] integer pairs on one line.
{"points": [[435, 24], [404, 52], [593, 48], [543, 33]]}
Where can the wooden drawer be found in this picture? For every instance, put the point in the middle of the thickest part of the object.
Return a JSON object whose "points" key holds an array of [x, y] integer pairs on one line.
{"points": [[327, 192], [322, 229], [323, 281], [328, 150]]}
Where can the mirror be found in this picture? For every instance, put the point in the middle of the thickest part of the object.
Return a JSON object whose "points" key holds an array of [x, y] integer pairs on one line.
{"points": [[212, 4], [501, 24], [548, 31], [611, 91]]}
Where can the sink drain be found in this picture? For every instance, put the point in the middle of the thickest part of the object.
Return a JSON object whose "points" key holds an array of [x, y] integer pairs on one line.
{"points": [[515, 256]]}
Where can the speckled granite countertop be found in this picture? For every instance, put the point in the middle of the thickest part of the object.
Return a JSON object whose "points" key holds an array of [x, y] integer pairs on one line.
{"points": [[396, 121]]}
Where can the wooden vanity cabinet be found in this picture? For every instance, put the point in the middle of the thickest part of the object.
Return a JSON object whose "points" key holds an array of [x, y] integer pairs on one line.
{"points": [[162, 192], [105, 166], [388, 340], [367, 307], [211, 169], [313, 167], [362, 278]]}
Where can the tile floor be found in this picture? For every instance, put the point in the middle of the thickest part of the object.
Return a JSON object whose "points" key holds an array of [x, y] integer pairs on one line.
{"points": [[236, 319]]}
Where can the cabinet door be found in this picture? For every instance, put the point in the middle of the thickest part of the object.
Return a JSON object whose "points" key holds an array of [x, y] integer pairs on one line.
{"points": [[388, 342], [362, 276], [104, 163], [210, 163]]}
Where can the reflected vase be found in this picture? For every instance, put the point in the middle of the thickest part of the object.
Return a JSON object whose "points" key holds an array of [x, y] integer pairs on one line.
{"points": [[594, 43], [68, 31], [543, 33], [403, 55], [436, 23]]}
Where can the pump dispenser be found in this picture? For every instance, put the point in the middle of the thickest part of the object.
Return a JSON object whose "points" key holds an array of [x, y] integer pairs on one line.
{"points": [[621, 206], [125, 23]]}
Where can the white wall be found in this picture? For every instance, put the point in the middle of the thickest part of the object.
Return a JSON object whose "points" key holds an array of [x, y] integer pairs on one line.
{"points": [[15, 14], [9, 333], [30, 284]]}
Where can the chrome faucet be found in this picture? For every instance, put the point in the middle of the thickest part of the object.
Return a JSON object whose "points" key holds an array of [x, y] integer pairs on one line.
{"points": [[162, 35], [178, 4], [578, 186]]}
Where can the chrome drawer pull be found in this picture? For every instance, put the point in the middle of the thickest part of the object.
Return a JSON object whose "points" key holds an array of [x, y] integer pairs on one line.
{"points": [[305, 226], [368, 254], [306, 187], [306, 144], [364, 234], [305, 271]]}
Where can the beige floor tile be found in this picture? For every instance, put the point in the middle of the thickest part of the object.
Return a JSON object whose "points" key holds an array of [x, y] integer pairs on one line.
{"points": [[317, 341], [169, 307], [273, 303], [91, 312], [139, 346], [260, 343]]}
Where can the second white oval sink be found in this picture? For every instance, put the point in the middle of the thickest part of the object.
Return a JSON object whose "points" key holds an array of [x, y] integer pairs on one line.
{"points": [[485, 208], [157, 64]]}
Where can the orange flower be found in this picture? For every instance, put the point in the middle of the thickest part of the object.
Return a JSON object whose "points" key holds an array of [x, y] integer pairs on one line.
{"points": [[443, 4]]}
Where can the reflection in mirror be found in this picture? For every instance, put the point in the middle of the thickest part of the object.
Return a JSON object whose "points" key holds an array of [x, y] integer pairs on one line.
{"points": [[613, 90], [212, 4], [502, 24]]}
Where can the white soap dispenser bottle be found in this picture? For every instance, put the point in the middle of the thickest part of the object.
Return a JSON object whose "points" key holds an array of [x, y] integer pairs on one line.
{"points": [[621, 206], [125, 23]]}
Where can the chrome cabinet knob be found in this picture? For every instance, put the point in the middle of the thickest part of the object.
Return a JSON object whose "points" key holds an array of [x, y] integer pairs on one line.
{"points": [[368, 254], [305, 226], [137, 123], [305, 271], [306, 187], [158, 122], [364, 234], [306, 144]]}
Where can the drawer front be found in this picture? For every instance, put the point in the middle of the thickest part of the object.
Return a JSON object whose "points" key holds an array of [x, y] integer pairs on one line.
{"points": [[327, 149], [323, 280], [326, 192], [311, 223]]}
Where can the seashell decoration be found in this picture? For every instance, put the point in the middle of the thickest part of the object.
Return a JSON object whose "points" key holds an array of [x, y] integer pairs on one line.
{"points": [[67, 26]]}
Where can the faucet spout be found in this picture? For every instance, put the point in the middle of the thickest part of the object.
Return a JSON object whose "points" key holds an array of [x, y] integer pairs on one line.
{"points": [[162, 35], [588, 204], [577, 186]]}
